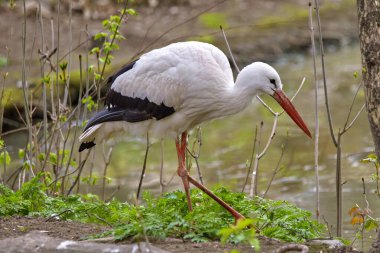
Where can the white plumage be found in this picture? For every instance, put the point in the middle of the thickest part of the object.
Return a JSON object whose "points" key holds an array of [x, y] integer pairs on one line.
{"points": [[172, 89]]}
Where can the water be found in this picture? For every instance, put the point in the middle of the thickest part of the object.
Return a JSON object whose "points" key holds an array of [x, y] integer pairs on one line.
{"points": [[227, 147]]}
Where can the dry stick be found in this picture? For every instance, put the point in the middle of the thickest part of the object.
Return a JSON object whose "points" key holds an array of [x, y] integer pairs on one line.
{"points": [[24, 87], [176, 26], [331, 128], [251, 193], [162, 184], [199, 140], [61, 160], [53, 112], [255, 173], [107, 160], [78, 113], [80, 169], [196, 156], [366, 209], [336, 142], [57, 116], [67, 84], [276, 170], [42, 62], [347, 125], [250, 161], [144, 166], [339, 166], [316, 136]]}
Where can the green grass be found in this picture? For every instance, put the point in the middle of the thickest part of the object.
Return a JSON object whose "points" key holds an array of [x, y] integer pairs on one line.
{"points": [[166, 216]]}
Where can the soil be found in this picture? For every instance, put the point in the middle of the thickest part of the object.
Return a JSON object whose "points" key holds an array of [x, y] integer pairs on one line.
{"points": [[19, 225], [15, 226]]}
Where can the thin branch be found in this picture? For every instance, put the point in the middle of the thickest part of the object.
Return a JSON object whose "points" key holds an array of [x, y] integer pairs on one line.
{"points": [[162, 184], [351, 106], [144, 166], [276, 170], [250, 161], [271, 136], [316, 137], [331, 128], [354, 119], [107, 160], [229, 49], [176, 26], [253, 188]]}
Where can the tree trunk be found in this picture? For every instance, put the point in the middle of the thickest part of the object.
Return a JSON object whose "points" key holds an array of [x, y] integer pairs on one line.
{"points": [[369, 36]]}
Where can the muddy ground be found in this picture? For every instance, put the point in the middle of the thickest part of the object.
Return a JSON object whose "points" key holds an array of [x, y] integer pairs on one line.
{"points": [[11, 227]]}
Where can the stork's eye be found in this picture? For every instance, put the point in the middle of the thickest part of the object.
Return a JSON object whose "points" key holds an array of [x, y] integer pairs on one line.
{"points": [[273, 81]]}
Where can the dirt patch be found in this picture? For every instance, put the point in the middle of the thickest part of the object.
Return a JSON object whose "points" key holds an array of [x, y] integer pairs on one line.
{"points": [[15, 226]]}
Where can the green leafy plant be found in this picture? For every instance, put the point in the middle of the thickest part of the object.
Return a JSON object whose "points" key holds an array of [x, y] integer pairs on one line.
{"points": [[242, 232], [5, 158], [372, 159], [167, 216]]}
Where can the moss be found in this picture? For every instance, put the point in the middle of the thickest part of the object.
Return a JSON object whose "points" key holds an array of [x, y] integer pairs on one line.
{"points": [[213, 20], [289, 13], [203, 38]]}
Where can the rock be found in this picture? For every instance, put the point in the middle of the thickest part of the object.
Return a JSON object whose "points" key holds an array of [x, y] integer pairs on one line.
{"points": [[38, 241], [331, 244]]}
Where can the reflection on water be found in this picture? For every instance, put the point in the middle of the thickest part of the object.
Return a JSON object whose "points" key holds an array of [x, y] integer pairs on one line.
{"points": [[227, 146]]}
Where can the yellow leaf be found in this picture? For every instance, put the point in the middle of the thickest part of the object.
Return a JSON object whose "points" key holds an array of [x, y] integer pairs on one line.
{"points": [[358, 219]]}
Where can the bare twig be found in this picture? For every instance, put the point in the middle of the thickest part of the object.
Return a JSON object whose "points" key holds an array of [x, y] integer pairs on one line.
{"points": [[162, 184], [67, 83], [24, 87], [276, 170], [144, 166], [253, 188], [250, 161], [107, 160], [229, 49], [331, 128], [347, 125], [316, 136], [176, 26], [338, 179], [195, 155]]}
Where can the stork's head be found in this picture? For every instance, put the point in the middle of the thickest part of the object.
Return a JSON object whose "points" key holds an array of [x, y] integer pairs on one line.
{"points": [[261, 78]]}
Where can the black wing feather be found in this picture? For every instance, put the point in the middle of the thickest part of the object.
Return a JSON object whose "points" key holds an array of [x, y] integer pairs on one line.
{"points": [[124, 69], [117, 114]]}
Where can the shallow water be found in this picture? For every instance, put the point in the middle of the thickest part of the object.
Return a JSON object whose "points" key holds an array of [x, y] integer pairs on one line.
{"points": [[227, 146]]}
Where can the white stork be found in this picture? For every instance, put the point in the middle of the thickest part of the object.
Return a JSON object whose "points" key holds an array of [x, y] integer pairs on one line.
{"points": [[170, 90]]}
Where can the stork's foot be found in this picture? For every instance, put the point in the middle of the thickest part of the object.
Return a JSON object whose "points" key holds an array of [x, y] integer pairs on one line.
{"points": [[238, 217], [186, 185]]}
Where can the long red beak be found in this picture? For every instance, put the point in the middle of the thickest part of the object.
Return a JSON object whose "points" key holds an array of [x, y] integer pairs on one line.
{"points": [[289, 108]]}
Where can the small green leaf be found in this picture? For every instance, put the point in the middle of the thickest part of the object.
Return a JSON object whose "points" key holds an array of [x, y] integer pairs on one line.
{"points": [[5, 157], [100, 35], [21, 153], [41, 157], [131, 12]]}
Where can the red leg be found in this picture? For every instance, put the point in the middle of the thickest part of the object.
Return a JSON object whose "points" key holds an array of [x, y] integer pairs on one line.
{"points": [[186, 179], [182, 172], [226, 206]]}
